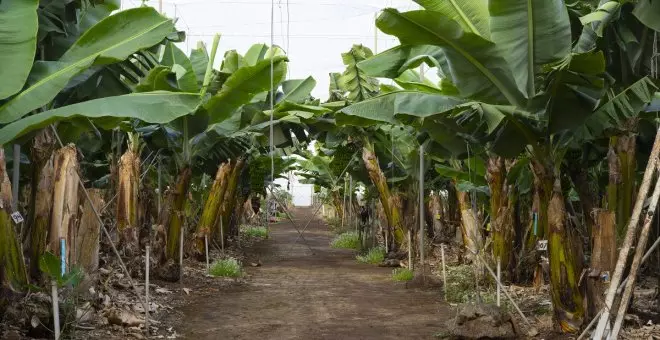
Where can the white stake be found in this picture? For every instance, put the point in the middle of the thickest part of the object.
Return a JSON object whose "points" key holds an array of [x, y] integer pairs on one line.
{"points": [[410, 259], [499, 275], [206, 248], [146, 290], [56, 309], [181, 254], [444, 269]]}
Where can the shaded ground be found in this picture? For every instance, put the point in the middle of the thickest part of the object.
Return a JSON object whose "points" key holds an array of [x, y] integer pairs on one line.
{"points": [[297, 294]]}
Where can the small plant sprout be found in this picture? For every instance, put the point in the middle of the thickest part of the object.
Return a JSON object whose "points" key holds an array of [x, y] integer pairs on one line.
{"points": [[402, 274]]}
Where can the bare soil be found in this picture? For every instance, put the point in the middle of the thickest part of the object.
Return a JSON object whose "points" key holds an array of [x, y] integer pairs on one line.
{"points": [[313, 292]]}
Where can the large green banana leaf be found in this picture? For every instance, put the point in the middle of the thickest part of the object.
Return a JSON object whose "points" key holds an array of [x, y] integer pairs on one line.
{"points": [[472, 15], [478, 70], [297, 90], [385, 108], [243, 85], [110, 41], [18, 43], [395, 61], [648, 12], [530, 34], [153, 107], [623, 106], [185, 73]]}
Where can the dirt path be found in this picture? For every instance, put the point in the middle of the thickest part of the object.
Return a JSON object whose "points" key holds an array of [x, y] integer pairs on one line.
{"points": [[325, 295]]}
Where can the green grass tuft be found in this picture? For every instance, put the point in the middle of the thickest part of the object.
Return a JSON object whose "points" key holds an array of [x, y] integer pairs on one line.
{"points": [[254, 231], [402, 274], [373, 256], [229, 267], [348, 240]]}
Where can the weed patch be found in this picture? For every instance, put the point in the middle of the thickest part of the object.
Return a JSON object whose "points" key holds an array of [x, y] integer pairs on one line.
{"points": [[348, 240], [254, 231], [402, 274], [229, 267], [373, 256]]}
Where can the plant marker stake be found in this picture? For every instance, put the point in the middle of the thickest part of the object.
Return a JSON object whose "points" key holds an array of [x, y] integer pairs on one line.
{"points": [[62, 256], [499, 275], [146, 291], [444, 269], [206, 248], [536, 224], [56, 309]]}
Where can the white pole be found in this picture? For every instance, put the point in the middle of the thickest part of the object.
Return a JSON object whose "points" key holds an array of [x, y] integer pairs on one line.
{"points": [[499, 275], [444, 269], [56, 309], [222, 235], [410, 243], [375, 34], [181, 254], [350, 202], [206, 248], [160, 6], [160, 188], [421, 207], [146, 290]]}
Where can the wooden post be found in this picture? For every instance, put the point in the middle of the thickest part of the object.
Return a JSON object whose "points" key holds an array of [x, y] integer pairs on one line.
{"points": [[146, 290], [222, 233], [631, 231]]}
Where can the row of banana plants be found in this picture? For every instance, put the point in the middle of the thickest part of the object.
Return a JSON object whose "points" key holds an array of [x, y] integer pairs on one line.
{"points": [[104, 101], [535, 130]]}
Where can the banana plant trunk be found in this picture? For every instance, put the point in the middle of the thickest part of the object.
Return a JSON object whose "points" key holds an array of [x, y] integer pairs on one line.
{"points": [[502, 206], [390, 205], [565, 266], [621, 188], [64, 217], [13, 276], [470, 224], [41, 199], [337, 202], [211, 210], [127, 202], [174, 217], [89, 231], [229, 200]]}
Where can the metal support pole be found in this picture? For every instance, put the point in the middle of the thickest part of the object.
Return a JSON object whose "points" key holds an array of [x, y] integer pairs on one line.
{"points": [[160, 187], [222, 234], [146, 290], [350, 202], [421, 207], [15, 175]]}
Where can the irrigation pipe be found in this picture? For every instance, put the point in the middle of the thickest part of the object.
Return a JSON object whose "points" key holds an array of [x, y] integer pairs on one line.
{"points": [[103, 228]]}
